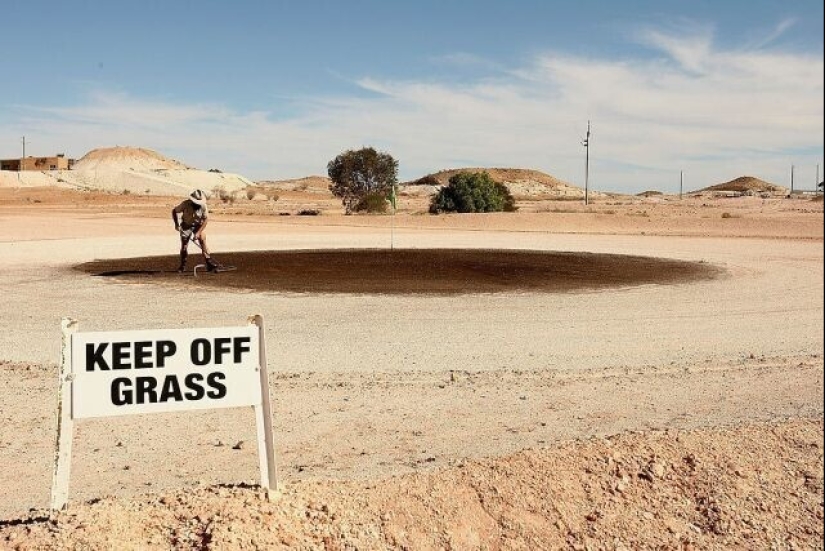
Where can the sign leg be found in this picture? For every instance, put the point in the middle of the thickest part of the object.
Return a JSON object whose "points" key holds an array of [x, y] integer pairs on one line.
{"points": [[263, 418], [65, 423]]}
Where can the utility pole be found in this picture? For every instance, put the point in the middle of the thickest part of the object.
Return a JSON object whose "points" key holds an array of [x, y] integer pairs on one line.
{"points": [[681, 182], [23, 158], [586, 144], [816, 184], [792, 167]]}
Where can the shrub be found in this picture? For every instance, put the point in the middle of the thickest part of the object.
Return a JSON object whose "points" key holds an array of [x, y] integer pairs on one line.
{"points": [[373, 203], [473, 192], [250, 194], [355, 174], [309, 212]]}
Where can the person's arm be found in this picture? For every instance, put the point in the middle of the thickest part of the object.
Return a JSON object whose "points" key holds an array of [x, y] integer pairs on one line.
{"points": [[175, 218]]}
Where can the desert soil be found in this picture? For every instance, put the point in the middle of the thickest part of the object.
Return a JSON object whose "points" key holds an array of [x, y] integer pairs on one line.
{"points": [[679, 415]]}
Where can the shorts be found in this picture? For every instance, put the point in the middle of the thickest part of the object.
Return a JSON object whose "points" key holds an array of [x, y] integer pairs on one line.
{"points": [[188, 235]]}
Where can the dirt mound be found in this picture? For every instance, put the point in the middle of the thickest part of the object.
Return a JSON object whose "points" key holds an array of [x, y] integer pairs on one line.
{"points": [[521, 182], [414, 271], [138, 171], [311, 184], [745, 184], [503, 175], [650, 193], [754, 487], [126, 158]]}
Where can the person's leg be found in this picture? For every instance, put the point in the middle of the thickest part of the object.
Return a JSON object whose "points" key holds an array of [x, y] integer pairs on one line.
{"points": [[210, 264], [184, 245]]}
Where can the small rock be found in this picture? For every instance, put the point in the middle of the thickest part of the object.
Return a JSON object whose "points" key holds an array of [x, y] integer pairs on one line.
{"points": [[657, 469], [239, 446]]}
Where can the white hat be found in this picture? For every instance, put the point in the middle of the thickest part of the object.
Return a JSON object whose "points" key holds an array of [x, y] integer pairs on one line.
{"points": [[198, 197]]}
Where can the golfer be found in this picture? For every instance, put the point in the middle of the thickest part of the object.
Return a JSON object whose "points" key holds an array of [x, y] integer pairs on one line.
{"points": [[194, 216]]}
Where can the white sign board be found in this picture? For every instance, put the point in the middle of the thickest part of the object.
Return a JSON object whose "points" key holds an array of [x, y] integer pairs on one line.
{"points": [[111, 373], [128, 372]]}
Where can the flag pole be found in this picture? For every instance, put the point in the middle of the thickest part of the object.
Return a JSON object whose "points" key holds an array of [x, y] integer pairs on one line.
{"points": [[392, 222]]}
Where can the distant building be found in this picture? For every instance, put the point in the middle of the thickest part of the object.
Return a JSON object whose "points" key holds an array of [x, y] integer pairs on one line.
{"points": [[58, 162]]}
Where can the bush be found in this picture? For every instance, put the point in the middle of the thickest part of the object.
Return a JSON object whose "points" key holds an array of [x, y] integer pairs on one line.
{"points": [[373, 203], [355, 174], [473, 192]]}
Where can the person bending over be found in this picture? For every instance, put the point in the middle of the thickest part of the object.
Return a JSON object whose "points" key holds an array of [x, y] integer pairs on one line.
{"points": [[193, 218]]}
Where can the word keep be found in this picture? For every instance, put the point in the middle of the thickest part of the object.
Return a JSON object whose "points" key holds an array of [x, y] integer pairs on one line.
{"points": [[106, 356]]}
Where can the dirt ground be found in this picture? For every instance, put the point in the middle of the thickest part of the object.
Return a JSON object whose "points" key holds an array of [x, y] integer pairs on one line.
{"points": [[679, 414], [407, 271], [756, 487]]}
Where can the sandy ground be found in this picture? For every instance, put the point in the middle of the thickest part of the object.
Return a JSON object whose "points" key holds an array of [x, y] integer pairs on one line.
{"points": [[369, 386]]}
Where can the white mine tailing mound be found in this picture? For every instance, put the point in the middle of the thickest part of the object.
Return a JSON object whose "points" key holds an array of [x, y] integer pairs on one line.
{"points": [[126, 158], [130, 170]]}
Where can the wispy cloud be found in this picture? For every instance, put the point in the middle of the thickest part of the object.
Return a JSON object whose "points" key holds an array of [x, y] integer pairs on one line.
{"points": [[781, 28], [687, 104], [691, 49]]}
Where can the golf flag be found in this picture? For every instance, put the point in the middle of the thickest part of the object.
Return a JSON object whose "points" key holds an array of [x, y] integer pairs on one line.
{"points": [[392, 196]]}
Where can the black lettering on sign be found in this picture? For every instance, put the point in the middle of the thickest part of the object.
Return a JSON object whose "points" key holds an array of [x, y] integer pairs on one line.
{"points": [[146, 390], [200, 352], [120, 355], [240, 348], [121, 391], [143, 354], [163, 350], [221, 348], [193, 383], [215, 380], [95, 356], [171, 389]]}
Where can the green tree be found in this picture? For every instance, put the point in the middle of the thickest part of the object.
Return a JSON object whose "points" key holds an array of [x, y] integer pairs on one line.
{"points": [[358, 173], [473, 192], [373, 203]]}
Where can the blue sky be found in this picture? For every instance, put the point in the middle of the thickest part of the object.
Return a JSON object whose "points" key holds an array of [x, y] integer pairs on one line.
{"points": [[276, 89]]}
